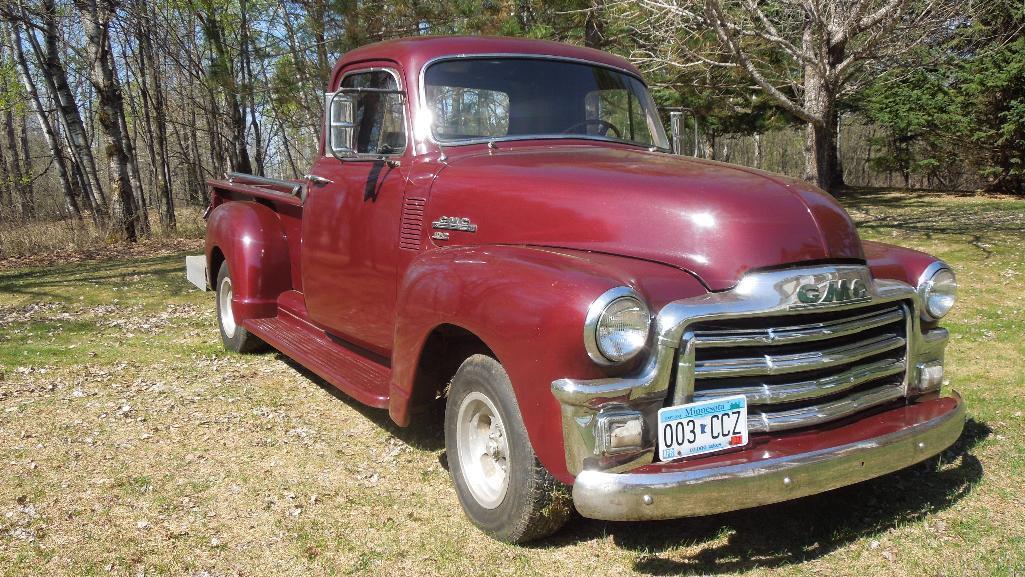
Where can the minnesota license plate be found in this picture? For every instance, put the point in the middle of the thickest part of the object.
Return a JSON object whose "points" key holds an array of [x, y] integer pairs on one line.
{"points": [[703, 427]]}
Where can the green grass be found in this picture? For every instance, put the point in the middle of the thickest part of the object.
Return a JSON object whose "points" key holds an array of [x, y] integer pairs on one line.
{"points": [[132, 443]]}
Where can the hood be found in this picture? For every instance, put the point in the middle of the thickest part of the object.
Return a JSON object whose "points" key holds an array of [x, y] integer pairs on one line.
{"points": [[715, 220]]}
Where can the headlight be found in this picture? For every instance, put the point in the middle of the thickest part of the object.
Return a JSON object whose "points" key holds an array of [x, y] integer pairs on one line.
{"points": [[938, 288], [617, 326]]}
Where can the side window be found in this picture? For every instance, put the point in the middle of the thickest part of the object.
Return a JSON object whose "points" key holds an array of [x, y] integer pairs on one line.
{"points": [[620, 108], [379, 118], [468, 112]]}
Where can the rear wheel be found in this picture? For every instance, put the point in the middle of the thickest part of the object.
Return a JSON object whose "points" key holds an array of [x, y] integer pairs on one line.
{"points": [[233, 335], [501, 485]]}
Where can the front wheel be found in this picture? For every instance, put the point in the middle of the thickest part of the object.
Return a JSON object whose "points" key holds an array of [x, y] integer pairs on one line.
{"points": [[233, 335], [501, 485]]}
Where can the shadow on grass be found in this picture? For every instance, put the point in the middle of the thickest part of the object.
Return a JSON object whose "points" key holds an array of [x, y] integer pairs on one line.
{"points": [[425, 433], [919, 212], [764, 537], [795, 531], [36, 282]]}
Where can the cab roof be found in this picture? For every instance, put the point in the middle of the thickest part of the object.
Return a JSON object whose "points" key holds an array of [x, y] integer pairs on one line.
{"points": [[414, 52]]}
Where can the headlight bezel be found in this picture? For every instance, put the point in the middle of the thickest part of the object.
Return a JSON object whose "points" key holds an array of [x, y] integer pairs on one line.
{"points": [[595, 314], [926, 283]]}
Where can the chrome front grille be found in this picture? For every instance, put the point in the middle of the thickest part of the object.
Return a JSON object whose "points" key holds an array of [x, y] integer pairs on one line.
{"points": [[801, 370]]}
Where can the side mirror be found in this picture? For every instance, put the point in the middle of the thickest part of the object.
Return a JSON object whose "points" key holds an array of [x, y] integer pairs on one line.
{"points": [[340, 125], [677, 125]]}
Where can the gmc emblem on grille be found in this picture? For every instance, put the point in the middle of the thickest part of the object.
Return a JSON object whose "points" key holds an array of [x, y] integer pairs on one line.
{"points": [[837, 291]]}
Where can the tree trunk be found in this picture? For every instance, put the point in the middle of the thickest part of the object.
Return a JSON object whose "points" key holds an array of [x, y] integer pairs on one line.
{"points": [[594, 25], [223, 73], [247, 71], [71, 203], [151, 77], [19, 201], [130, 138], [317, 13], [56, 78], [96, 24], [133, 172], [821, 157], [5, 183]]}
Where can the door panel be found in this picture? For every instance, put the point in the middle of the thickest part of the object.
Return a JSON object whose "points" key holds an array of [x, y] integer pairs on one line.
{"points": [[351, 230]]}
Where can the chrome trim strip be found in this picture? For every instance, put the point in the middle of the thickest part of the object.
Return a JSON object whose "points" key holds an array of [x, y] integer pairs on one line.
{"points": [[766, 394], [582, 400], [717, 489], [797, 362], [769, 422], [797, 333], [517, 137], [933, 268], [294, 188]]}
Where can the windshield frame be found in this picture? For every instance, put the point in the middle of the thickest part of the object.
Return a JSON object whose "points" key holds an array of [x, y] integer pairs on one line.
{"points": [[425, 108]]}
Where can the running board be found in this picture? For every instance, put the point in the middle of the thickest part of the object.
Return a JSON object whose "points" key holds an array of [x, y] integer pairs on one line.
{"points": [[352, 373]]}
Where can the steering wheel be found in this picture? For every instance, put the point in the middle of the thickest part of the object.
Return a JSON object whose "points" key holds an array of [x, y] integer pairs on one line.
{"points": [[606, 125]]}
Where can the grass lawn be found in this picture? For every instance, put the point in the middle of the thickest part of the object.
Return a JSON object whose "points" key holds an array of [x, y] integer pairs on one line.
{"points": [[131, 444]]}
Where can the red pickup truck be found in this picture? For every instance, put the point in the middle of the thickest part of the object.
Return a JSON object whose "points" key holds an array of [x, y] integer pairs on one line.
{"points": [[500, 223]]}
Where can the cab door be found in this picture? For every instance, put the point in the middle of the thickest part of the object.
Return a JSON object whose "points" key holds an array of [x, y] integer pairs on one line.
{"points": [[352, 214]]}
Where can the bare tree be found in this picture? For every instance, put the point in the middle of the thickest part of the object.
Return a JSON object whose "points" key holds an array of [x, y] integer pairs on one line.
{"points": [[96, 16], [55, 77], [15, 169], [805, 55], [52, 140], [151, 91], [223, 74]]}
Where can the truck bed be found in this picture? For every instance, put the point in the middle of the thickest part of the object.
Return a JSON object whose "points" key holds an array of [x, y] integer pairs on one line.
{"points": [[236, 186]]}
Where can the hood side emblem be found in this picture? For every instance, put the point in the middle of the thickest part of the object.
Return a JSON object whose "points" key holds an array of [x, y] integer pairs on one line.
{"points": [[454, 223]]}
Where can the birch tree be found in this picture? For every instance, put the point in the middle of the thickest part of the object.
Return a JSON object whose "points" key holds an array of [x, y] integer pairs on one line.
{"points": [[43, 18], [52, 140]]}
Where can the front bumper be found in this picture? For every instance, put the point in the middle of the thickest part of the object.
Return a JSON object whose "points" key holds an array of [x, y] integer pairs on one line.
{"points": [[775, 469]]}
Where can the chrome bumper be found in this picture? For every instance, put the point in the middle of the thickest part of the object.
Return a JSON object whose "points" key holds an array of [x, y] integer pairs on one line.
{"points": [[668, 377], [703, 491]]}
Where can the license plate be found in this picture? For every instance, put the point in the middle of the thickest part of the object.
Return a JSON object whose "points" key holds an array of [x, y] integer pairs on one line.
{"points": [[703, 427]]}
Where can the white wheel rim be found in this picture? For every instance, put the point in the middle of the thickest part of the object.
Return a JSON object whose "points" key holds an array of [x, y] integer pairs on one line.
{"points": [[224, 304], [483, 450]]}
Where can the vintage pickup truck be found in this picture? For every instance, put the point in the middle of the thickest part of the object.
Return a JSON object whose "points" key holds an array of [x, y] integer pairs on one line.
{"points": [[499, 224]]}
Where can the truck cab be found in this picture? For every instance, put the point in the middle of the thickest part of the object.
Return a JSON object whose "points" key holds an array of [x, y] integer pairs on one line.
{"points": [[499, 224]]}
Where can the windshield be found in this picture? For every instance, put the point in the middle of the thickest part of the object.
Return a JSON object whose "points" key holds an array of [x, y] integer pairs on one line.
{"points": [[474, 99]]}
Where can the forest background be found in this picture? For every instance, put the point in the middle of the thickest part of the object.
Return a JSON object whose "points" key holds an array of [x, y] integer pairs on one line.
{"points": [[114, 112]]}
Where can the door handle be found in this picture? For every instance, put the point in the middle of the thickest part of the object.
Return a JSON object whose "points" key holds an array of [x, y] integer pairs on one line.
{"points": [[318, 180]]}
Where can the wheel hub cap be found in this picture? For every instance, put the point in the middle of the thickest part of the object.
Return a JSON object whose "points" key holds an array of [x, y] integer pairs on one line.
{"points": [[483, 450], [227, 316]]}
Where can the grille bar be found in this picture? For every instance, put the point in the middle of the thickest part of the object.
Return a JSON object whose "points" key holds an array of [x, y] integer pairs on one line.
{"points": [[768, 394], [766, 422], [796, 333], [799, 369], [796, 362]]}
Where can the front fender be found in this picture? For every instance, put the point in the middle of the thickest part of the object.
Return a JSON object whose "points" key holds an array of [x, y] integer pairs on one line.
{"points": [[528, 306], [250, 237], [896, 262]]}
